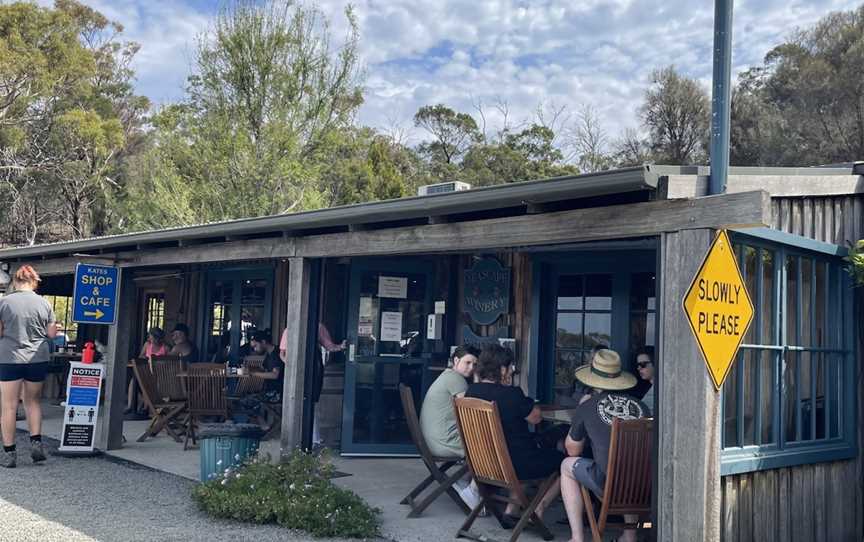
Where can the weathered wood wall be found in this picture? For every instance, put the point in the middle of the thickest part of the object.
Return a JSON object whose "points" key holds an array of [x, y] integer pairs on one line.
{"points": [[821, 502]]}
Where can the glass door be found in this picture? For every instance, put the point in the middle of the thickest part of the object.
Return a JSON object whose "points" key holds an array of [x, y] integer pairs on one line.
{"points": [[237, 303], [388, 305], [592, 301]]}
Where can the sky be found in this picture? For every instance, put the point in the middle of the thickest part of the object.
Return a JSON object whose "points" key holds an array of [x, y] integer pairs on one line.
{"points": [[525, 53]]}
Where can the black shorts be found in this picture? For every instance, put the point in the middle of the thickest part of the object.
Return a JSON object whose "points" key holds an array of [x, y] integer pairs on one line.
{"points": [[31, 372]]}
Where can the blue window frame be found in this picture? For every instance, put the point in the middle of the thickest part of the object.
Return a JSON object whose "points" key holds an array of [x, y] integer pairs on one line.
{"points": [[790, 397]]}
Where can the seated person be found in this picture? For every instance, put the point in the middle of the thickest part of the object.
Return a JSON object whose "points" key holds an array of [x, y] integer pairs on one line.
{"points": [[274, 368], [154, 346], [183, 346], [592, 426], [438, 418], [644, 389], [493, 375]]}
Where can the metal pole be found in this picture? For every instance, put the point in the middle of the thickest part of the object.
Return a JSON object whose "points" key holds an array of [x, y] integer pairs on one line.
{"points": [[721, 96]]}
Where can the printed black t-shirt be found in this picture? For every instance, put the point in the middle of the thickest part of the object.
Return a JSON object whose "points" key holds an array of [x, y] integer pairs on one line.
{"points": [[592, 421]]}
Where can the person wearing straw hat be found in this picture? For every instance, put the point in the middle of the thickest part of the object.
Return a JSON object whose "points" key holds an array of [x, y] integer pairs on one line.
{"points": [[592, 426]]}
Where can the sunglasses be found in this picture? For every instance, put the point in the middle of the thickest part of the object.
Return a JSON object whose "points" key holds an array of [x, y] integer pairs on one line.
{"points": [[643, 364]]}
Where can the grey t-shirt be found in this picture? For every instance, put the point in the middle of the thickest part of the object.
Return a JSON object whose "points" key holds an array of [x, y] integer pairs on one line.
{"points": [[438, 418], [25, 316]]}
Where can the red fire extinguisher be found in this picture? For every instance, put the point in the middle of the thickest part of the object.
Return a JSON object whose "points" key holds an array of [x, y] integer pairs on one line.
{"points": [[89, 353]]}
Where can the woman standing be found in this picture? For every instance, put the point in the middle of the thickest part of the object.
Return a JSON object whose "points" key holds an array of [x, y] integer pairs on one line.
{"points": [[26, 329]]}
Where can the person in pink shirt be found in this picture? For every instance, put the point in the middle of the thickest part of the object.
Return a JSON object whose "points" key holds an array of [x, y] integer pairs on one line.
{"points": [[325, 340], [154, 346]]}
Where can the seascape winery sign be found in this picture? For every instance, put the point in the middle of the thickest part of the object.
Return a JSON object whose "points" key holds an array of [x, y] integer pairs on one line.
{"points": [[95, 294], [719, 308], [82, 408], [487, 291]]}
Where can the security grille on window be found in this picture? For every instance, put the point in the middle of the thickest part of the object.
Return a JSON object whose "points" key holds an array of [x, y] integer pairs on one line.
{"points": [[789, 398], [155, 306], [67, 331]]}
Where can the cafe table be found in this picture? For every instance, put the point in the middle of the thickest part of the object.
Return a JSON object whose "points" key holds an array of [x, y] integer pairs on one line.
{"points": [[556, 413]]}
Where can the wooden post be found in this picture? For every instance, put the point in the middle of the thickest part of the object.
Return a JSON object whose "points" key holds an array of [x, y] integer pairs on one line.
{"points": [[299, 275], [116, 358], [688, 414]]}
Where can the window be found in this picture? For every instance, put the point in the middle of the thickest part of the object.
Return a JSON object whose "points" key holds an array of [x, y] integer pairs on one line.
{"points": [[67, 330], [789, 398], [154, 307]]}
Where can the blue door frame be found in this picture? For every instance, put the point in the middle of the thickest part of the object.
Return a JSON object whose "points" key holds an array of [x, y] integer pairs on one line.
{"points": [[547, 270], [413, 364]]}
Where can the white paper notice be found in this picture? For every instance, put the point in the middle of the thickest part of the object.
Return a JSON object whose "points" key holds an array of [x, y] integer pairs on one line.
{"points": [[396, 287], [365, 307], [391, 326]]}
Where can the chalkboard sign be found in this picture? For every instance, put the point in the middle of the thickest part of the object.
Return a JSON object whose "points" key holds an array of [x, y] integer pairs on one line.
{"points": [[487, 291]]}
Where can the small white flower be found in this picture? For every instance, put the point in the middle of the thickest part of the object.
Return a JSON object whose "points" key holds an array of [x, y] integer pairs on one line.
{"points": [[218, 462]]}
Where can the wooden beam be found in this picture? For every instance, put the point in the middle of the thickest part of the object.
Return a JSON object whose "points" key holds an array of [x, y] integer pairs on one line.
{"points": [[299, 274], [116, 358], [695, 186], [598, 223], [251, 249], [687, 491]]}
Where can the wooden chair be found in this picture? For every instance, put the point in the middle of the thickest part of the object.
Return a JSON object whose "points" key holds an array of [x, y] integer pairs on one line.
{"points": [[250, 385], [163, 414], [628, 480], [167, 369], [205, 390], [489, 460], [437, 466]]}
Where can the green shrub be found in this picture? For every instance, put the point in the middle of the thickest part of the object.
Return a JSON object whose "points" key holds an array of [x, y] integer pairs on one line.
{"points": [[296, 493], [855, 259]]}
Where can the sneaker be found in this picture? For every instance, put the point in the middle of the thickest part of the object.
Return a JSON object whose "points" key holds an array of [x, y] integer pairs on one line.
{"points": [[37, 452], [469, 496], [8, 459]]}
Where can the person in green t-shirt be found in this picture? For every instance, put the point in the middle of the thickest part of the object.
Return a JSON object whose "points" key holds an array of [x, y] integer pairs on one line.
{"points": [[438, 416]]}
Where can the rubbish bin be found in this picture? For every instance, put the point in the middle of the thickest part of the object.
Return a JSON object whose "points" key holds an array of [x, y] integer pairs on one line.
{"points": [[226, 445]]}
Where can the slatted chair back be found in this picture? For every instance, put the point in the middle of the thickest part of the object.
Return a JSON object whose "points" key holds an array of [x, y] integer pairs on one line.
{"points": [[628, 482], [147, 383], [205, 388], [250, 385], [485, 447], [167, 369], [408, 406]]}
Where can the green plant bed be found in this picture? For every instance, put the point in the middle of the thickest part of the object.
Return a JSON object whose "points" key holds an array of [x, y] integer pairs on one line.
{"points": [[296, 493]]}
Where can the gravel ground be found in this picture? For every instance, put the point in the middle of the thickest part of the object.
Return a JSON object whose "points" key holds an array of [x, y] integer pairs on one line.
{"points": [[97, 499]]}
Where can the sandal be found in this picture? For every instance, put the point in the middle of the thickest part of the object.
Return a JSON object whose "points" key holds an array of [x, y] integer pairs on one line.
{"points": [[508, 522]]}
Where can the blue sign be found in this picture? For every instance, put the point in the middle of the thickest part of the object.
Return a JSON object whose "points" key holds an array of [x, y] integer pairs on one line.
{"points": [[83, 397], [487, 291], [95, 294]]}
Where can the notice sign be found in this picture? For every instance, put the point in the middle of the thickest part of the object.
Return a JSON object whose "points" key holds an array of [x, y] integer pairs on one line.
{"points": [[395, 287], [719, 308], [95, 294], [391, 326], [82, 407]]}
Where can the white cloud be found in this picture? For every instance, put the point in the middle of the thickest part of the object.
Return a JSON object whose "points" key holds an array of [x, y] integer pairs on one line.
{"points": [[458, 52]]}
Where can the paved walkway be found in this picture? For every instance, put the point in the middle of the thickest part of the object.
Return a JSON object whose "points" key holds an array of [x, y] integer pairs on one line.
{"points": [[97, 499]]}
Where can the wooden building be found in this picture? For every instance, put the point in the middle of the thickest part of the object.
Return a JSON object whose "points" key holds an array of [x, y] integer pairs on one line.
{"points": [[553, 268]]}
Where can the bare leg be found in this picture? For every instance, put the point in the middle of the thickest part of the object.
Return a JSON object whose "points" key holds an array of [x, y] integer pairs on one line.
{"points": [[9, 394], [551, 494], [572, 496], [130, 394], [511, 509], [32, 396]]}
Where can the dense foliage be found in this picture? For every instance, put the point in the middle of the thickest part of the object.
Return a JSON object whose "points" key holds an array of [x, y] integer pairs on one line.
{"points": [[296, 493], [268, 122]]}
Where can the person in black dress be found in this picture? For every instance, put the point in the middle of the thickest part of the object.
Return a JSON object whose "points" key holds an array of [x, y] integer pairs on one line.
{"points": [[493, 373]]}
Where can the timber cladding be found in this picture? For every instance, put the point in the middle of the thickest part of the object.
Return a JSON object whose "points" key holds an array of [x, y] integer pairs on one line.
{"points": [[808, 503]]}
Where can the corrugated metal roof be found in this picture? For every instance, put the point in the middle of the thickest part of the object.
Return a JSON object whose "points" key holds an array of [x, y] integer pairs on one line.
{"points": [[490, 198]]}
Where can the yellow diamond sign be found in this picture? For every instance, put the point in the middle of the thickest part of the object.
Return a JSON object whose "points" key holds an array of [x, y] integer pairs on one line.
{"points": [[718, 308]]}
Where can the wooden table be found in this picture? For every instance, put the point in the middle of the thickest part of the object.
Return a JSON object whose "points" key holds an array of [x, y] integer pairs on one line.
{"points": [[556, 413]]}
